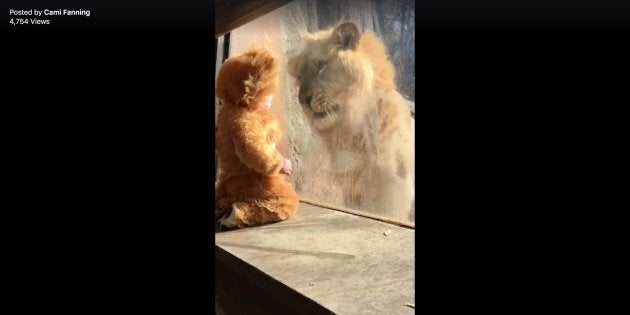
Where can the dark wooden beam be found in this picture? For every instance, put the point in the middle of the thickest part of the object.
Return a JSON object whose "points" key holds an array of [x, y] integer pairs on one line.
{"points": [[243, 289], [230, 14]]}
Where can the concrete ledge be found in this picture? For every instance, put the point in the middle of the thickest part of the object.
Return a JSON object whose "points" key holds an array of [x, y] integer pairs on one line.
{"points": [[323, 261]]}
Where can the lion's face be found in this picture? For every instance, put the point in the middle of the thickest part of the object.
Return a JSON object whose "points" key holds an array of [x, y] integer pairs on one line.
{"points": [[328, 71]]}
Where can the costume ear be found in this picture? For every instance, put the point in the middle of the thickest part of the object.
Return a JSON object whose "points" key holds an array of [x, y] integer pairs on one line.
{"points": [[347, 35], [263, 76]]}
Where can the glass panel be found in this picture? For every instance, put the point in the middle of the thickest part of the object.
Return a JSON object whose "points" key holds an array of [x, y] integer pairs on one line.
{"points": [[265, 31], [350, 138]]}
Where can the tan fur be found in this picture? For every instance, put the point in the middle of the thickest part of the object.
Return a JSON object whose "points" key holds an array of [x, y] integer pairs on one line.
{"points": [[347, 89], [246, 134]]}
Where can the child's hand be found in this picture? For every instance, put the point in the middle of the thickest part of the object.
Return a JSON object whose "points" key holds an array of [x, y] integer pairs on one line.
{"points": [[286, 167]]}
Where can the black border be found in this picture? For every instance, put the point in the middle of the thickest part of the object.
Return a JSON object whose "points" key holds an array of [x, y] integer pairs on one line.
{"points": [[111, 143]]}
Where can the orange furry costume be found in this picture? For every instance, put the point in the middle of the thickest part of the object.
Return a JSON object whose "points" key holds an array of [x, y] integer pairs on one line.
{"points": [[250, 189]]}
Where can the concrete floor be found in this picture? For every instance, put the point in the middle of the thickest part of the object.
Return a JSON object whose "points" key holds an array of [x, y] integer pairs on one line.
{"points": [[345, 263]]}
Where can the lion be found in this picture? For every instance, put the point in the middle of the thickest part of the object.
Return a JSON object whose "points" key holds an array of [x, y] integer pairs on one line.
{"points": [[348, 92]]}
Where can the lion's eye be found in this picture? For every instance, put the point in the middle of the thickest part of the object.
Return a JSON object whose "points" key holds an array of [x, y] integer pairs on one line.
{"points": [[321, 67]]}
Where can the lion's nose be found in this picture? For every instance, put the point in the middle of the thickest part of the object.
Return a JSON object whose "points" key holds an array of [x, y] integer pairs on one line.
{"points": [[305, 98]]}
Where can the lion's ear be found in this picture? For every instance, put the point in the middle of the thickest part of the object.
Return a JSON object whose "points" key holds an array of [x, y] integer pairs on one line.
{"points": [[292, 66], [347, 35]]}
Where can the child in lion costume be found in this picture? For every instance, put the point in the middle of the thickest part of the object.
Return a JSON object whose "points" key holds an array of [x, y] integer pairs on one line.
{"points": [[250, 189]]}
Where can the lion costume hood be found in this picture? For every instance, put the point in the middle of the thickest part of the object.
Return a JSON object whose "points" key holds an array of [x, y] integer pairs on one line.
{"points": [[248, 78]]}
